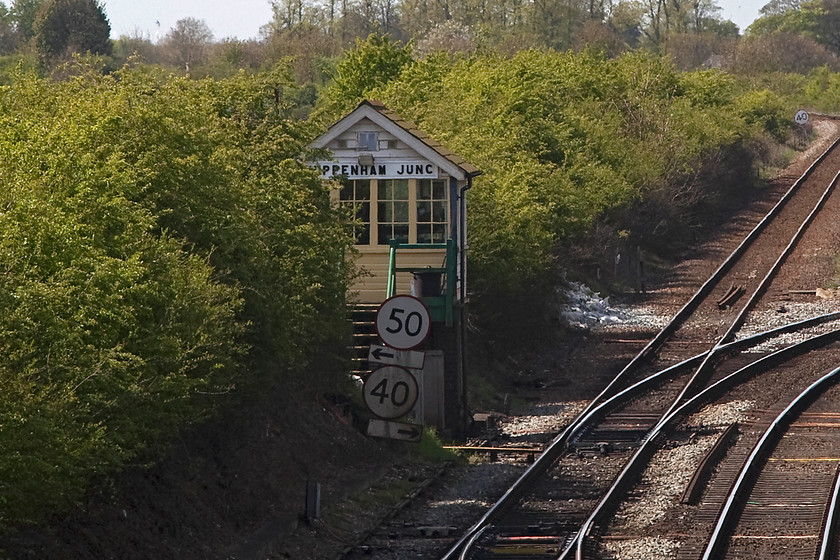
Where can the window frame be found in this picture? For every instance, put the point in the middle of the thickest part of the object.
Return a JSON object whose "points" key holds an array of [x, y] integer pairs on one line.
{"points": [[367, 141], [373, 224]]}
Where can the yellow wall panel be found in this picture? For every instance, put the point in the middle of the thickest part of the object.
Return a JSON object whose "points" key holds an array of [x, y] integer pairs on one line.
{"points": [[373, 262]]}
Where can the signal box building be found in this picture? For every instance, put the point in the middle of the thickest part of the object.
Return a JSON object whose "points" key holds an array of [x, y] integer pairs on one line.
{"points": [[408, 195]]}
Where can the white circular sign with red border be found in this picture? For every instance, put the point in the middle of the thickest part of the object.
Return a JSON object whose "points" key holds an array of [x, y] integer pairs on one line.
{"points": [[403, 322]]}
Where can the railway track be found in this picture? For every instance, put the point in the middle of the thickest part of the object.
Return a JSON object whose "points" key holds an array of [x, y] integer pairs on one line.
{"points": [[783, 501], [561, 507]]}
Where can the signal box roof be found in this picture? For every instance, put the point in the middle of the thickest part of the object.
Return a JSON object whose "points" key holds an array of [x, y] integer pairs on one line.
{"points": [[404, 131]]}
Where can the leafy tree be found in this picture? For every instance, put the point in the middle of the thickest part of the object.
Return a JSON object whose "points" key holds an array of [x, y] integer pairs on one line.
{"points": [[187, 43], [823, 89], [664, 18], [63, 27], [164, 253], [823, 17], [779, 7], [450, 37], [305, 46], [230, 56], [690, 51], [136, 45], [8, 34], [781, 52], [372, 63], [23, 14], [599, 37], [818, 20]]}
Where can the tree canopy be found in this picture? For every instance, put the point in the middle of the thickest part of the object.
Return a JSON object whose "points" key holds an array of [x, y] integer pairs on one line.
{"points": [[63, 27], [162, 246]]}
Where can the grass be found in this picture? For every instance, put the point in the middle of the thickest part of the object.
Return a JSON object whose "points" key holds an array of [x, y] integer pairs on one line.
{"points": [[431, 448]]}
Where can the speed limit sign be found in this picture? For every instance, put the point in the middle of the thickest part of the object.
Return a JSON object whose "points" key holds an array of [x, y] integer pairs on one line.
{"points": [[390, 392], [801, 117], [402, 322]]}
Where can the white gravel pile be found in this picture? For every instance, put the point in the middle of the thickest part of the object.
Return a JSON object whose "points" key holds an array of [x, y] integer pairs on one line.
{"points": [[585, 309]]}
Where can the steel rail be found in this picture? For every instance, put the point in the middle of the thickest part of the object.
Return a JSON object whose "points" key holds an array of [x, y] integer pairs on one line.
{"points": [[829, 530], [646, 450], [738, 345], [704, 290], [759, 291], [556, 447], [753, 464], [462, 546]]}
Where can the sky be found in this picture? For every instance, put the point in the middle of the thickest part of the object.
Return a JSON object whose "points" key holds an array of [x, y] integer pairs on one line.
{"points": [[242, 19], [153, 19]]}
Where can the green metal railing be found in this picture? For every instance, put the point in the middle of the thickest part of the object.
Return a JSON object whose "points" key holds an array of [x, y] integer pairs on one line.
{"points": [[440, 306]]}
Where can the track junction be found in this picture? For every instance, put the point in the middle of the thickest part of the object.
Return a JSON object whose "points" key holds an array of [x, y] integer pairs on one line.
{"points": [[746, 397]]}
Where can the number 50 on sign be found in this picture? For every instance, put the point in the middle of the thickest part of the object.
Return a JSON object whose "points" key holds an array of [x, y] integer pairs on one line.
{"points": [[402, 322]]}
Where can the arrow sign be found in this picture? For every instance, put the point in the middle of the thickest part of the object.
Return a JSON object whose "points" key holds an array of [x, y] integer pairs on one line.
{"points": [[380, 353], [394, 430], [410, 359]]}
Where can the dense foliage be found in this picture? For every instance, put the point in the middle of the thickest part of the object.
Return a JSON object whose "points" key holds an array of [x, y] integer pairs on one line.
{"points": [[566, 139], [161, 247], [63, 27]]}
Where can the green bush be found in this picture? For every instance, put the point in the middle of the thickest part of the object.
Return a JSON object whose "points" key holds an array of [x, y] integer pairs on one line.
{"points": [[567, 141], [161, 248]]}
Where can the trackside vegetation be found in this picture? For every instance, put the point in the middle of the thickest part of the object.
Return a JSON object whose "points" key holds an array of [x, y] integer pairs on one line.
{"points": [[160, 245], [576, 145]]}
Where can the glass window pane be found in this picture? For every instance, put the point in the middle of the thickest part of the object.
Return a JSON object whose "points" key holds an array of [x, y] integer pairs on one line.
{"points": [[424, 233], [363, 189], [439, 235], [424, 189], [439, 211], [363, 212], [400, 189], [401, 233], [346, 191], [424, 211], [440, 190], [363, 235], [367, 141], [401, 212], [384, 190], [385, 213], [384, 231]]}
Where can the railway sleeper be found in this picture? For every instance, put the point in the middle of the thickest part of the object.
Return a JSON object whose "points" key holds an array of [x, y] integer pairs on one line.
{"points": [[619, 434], [531, 544], [603, 448]]}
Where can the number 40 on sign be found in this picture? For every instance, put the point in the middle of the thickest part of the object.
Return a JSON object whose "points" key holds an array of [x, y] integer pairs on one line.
{"points": [[390, 392]]}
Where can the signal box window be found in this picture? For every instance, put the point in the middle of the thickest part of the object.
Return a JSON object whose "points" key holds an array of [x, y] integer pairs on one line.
{"points": [[356, 194], [392, 210], [431, 211], [367, 141]]}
